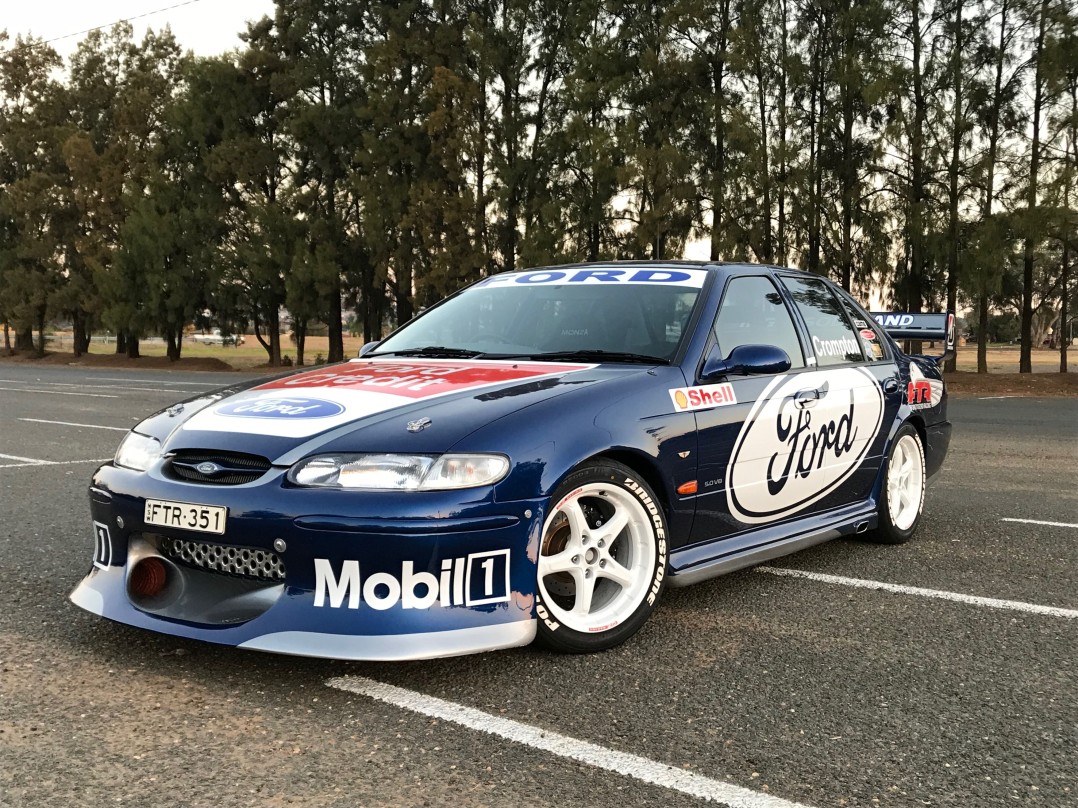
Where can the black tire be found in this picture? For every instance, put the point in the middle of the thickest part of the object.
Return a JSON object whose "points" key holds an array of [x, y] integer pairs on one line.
{"points": [[903, 497], [604, 529]]}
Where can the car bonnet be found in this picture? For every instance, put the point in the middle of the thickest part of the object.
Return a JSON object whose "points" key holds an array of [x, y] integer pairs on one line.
{"points": [[381, 405]]}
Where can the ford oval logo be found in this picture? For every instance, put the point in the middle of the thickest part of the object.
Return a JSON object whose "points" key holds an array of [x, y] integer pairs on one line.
{"points": [[793, 451], [287, 408], [207, 468]]}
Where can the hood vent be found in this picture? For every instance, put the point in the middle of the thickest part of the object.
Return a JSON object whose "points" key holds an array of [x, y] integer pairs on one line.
{"points": [[216, 468]]}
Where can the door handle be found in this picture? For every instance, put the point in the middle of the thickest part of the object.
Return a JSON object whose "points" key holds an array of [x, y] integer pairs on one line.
{"points": [[806, 398]]}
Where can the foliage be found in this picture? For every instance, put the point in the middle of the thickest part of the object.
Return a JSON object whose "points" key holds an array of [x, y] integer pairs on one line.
{"points": [[358, 160]]}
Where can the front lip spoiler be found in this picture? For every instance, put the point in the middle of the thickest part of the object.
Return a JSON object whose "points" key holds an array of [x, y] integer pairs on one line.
{"points": [[396, 647]]}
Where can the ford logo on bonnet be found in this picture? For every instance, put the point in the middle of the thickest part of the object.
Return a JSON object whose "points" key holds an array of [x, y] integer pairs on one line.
{"points": [[282, 408]]}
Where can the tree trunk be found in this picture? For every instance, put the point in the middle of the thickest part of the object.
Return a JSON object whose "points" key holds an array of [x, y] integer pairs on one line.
{"points": [[1025, 361], [7, 339], [76, 333], [300, 330], [173, 344], [24, 339], [121, 343], [131, 344], [956, 143], [40, 349], [982, 333]]}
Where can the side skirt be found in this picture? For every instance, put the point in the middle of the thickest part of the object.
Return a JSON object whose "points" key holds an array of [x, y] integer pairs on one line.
{"points": [[687, 566]]}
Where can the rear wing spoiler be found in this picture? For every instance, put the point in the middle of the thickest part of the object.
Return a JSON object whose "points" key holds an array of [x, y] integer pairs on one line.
{"points": [[937, 327]]}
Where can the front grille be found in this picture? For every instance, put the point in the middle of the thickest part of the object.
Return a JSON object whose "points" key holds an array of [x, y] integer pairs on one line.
{"points": [[230, 468], [244, 562]]}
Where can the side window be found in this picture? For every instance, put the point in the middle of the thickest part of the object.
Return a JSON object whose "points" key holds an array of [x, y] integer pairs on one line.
{"points": [[753, 313], [833, 339], [867, 329]]}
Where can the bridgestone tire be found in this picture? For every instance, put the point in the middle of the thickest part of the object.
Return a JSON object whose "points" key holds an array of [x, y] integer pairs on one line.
{"points": [[602, 560]]}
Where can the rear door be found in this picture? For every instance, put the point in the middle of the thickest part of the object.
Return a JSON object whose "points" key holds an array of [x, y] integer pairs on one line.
{"points": [[801, 442]]}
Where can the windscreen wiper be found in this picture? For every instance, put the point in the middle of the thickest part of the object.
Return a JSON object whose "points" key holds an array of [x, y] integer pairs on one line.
{"points": [[596, 355], [434, 351]]}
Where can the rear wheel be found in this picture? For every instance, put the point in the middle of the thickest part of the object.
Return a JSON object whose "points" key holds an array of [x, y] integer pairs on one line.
{"points": [[903, 490], [602, 561]]}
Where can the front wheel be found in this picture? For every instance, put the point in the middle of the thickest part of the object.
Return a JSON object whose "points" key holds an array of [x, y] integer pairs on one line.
{"points": [[603, 559], [904, 489]]}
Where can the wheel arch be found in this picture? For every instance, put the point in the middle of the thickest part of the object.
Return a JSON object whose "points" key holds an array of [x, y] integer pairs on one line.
{"points": [[642, 465]]}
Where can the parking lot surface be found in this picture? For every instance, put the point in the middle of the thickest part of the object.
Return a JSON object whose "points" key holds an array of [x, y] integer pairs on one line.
{"points": [[765, 689]]}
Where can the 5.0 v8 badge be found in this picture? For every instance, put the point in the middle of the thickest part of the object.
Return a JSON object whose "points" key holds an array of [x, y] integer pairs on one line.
{"points": [[805, 435]]}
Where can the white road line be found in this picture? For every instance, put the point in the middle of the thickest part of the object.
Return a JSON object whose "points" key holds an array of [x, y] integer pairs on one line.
{"points": [[69, 423], [155, 381], [1038, 522], [23, 459], [41, 463], [994, 398], [939, 594], [55, 392], [639, 768], [106, 387]]}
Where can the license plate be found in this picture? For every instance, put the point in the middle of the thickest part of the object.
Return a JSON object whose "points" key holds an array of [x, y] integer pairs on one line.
{"points": [[184, 515]]}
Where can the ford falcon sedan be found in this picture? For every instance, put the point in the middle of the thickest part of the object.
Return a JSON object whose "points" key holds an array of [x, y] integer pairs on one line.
{"points": [[534, 458]]}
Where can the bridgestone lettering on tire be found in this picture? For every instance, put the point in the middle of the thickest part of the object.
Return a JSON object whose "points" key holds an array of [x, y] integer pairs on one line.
{"points": [[903, 496], [602, 561]]}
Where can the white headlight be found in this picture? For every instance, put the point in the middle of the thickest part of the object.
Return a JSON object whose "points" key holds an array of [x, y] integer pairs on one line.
{"points": [[137, 451], [465, 471], [392, 472]]}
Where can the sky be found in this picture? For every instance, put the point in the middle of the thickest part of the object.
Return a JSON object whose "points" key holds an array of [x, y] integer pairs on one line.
{"points": [[207, 27]]}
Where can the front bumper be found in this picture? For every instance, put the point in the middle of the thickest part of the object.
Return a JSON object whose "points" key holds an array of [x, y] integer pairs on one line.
{"points": [[365, 576]]}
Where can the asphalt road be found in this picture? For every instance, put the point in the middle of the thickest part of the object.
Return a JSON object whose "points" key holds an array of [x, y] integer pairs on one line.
{"points": [[807, 690]]}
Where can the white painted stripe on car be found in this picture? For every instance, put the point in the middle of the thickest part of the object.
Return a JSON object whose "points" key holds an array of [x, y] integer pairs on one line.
{"points": [[54, 392], [70, 423], [938, 594], [635, 766], [42, 463], [1039, 522]]}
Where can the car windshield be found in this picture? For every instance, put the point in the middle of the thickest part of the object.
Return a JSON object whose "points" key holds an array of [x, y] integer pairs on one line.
{"points": [[631, 314]]}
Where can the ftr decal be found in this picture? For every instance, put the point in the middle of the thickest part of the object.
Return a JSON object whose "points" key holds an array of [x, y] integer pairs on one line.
{"points": [[793, 451], [922, 392], [702, 398], [477, 579]]}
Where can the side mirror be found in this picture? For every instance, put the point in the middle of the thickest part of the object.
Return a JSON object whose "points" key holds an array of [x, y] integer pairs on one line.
{"points": [[367, 347], [746, 360]]}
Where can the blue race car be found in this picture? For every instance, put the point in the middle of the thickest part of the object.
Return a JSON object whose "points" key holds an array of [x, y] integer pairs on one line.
{"points": [[538, 455]]}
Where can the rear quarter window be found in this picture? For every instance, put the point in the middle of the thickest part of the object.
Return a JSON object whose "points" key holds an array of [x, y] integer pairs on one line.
{"points": [[832, 335]]}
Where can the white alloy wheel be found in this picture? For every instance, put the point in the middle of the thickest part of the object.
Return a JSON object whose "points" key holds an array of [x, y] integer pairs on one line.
{"points": [[903, 489], [905, 482], [603, 553]]}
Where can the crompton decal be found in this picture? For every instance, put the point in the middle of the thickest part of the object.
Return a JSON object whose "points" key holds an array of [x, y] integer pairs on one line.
{"points": [[478, 579], [702, 398], [787, 457]]}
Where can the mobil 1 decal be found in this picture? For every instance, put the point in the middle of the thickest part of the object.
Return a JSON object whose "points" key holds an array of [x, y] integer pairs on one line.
{"points": [[796, 447]]}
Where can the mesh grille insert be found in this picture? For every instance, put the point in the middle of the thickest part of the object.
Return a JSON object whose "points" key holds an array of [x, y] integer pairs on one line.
{"points": [[217, 468], [245, 562]]}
